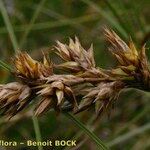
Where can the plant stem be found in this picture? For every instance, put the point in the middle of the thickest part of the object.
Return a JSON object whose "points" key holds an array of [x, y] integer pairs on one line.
{"points": [[53, 24], [100, 143], [8, 26], [5, 66], [129, 135], [109, 18], [35, 15], [37, 131], [135, 119]]}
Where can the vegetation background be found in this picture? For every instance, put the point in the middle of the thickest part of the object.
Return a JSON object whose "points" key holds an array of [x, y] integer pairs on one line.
{"points": [[35, 25]]}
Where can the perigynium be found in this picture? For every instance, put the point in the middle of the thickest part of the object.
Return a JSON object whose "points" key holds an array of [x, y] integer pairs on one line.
{"points": [[14, 97], [80, 85]]}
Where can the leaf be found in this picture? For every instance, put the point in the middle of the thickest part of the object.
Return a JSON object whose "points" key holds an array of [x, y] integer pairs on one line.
{"points": [[97, 140]]}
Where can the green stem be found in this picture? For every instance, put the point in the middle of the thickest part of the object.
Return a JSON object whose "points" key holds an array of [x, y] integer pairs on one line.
{"points": [[119, 18], [9, 26], [129, 135], [37, 131], [54, 24], [135, 119], [109, 18], [5, 66], [35, 15], [100, 143]]}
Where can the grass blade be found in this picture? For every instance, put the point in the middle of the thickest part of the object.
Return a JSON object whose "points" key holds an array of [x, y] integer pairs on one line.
{"points": [[109, 18], [8, 25], [35, 15], [5, 66], [129, 135], [135, 119], [53, 24], [37, 131], [116, 15], [100, 143]]}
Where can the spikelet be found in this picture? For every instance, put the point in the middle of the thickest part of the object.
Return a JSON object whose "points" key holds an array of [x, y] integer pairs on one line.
{"points": [[76, 57], [103, 95], [133, 63], [54, 94], [28, 68], [13, 98]]}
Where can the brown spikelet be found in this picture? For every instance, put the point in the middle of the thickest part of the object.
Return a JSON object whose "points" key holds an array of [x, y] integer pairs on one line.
{"points": [[133, 63], [102, 95], [13, 98], [28, 68], [76, 57], [125, 54], [54, 94]]}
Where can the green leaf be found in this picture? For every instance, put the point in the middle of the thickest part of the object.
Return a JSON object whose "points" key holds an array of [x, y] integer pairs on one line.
{"points": [[37, 131], [5, 66], [100, 143], [9, 26], [129, 135]]}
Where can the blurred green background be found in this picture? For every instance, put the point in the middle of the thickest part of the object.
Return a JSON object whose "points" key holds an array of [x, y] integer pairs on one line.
{"points": [[37, 24]]}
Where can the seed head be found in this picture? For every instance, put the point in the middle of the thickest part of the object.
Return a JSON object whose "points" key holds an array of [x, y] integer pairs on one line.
{"points": [[84, 86], [54, 94], [133, 63], [76, 57], [103, 95], [28, 68], [13, 98]]}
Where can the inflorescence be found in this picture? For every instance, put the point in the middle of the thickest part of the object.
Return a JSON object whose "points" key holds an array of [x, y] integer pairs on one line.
{"points": [[80, 85]]}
